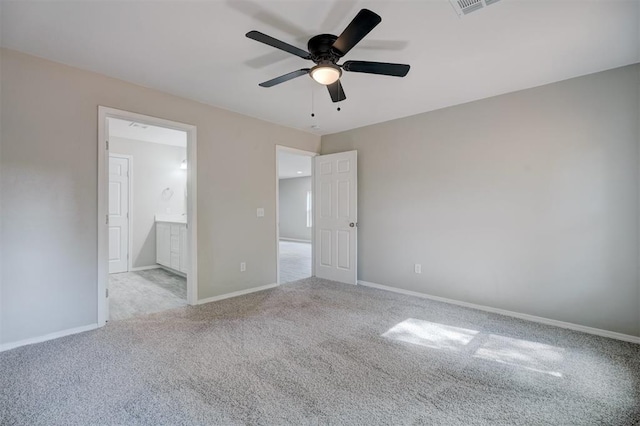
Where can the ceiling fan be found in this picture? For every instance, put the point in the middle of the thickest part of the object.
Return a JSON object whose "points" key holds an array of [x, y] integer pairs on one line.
{"points": [[327, 49]]}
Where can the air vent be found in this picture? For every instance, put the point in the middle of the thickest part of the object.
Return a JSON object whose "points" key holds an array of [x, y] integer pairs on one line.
{"points": [[464, 7]]}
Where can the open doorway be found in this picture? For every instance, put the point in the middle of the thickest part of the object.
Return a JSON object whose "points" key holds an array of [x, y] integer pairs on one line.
{"points": [[295, 214], [147, 185], [147, 218]]}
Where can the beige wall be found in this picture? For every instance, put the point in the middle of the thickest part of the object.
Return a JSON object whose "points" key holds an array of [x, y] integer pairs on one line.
{"points": [[49, 191], [526, 202]]}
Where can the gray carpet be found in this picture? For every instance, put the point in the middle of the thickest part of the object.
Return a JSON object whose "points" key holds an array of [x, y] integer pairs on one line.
{"points": [[132, 294], [315, 352], [295, 261]]}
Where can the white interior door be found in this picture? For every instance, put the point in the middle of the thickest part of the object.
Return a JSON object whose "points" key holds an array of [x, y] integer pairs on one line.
{"points": [[118, 214], [336, 215]]}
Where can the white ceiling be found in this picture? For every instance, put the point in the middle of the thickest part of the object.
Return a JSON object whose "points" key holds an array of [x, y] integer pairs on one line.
{"points": [[293, 165], [198, 50], [147, 133]]}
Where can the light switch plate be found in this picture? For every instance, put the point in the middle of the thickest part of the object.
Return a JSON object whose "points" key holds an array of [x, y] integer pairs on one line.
{"points": [[260, 212]]}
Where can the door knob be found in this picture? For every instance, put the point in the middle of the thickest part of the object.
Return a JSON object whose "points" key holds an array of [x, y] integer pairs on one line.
{"points": [[351, 225]]}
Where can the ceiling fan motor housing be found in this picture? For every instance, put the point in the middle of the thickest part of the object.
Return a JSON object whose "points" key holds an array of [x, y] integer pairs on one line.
{"points": [[321, 49]]}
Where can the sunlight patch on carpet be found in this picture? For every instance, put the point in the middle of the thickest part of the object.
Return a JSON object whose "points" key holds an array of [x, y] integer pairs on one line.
{"points": [[522, 353], [430, 334]]}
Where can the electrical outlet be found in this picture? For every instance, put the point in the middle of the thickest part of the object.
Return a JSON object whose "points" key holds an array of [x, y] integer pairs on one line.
{"points": [[417, 268], [243, 266], [260, 212]]}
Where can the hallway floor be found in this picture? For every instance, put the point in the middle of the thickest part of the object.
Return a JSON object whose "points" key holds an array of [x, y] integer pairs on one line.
{"points": [[295, 261], [144, 292]]}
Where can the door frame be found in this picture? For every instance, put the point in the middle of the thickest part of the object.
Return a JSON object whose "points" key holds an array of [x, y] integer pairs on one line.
{"points": [[282, 148], [103, 199], [129, 210]]}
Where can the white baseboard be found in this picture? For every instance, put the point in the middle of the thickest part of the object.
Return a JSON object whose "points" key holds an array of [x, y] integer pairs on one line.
{"points": [[145, 268], [173, 271], [236, 294], [294, 240], [50, 336], [533, 318]]}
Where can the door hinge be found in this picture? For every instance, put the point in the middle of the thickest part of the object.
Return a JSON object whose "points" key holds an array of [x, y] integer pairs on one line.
{"points": [[106, 293], [107, 145], [107, 219]]}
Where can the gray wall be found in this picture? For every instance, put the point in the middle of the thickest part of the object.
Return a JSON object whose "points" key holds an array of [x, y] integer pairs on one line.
{"points": [[293, 208], [526, 202], [48, 181], [155, 167]]}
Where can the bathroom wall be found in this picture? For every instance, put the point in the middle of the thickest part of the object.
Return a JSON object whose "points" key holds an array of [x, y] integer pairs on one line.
{"points": [[155, 167]]}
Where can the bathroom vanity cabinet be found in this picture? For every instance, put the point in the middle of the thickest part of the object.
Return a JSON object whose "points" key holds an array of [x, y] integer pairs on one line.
{"points": [[171, 245]]}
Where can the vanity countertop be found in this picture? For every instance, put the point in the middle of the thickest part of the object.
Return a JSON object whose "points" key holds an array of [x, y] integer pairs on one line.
{"points": [[173, 218]]}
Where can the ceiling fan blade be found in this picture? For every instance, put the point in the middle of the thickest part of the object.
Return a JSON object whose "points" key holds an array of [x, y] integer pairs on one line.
{"points": [[383, 68], [274, 42], [284, 78], [336, 91], [361, 25]]}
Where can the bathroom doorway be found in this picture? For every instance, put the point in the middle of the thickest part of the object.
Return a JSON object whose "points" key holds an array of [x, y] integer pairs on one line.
{"points": [[146, 263]]}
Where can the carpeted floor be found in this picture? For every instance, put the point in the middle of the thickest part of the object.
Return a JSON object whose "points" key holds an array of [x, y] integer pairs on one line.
{"points": [[295, 261], [315, 352], [132, 294]]}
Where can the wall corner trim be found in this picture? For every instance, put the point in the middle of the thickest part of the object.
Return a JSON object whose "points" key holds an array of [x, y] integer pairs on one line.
{"points": [[44, 338], [236, 294], [527, 317]]}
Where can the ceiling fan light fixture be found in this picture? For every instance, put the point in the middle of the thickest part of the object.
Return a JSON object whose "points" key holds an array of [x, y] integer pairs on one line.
{"points": [[325, 74]]}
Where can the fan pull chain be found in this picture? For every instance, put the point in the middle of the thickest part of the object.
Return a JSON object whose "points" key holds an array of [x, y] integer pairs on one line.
{"points": [[312, 113]]}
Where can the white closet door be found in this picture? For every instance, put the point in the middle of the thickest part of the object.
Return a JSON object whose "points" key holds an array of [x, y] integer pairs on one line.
{"points": [[118, 214], [336, 216]]}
